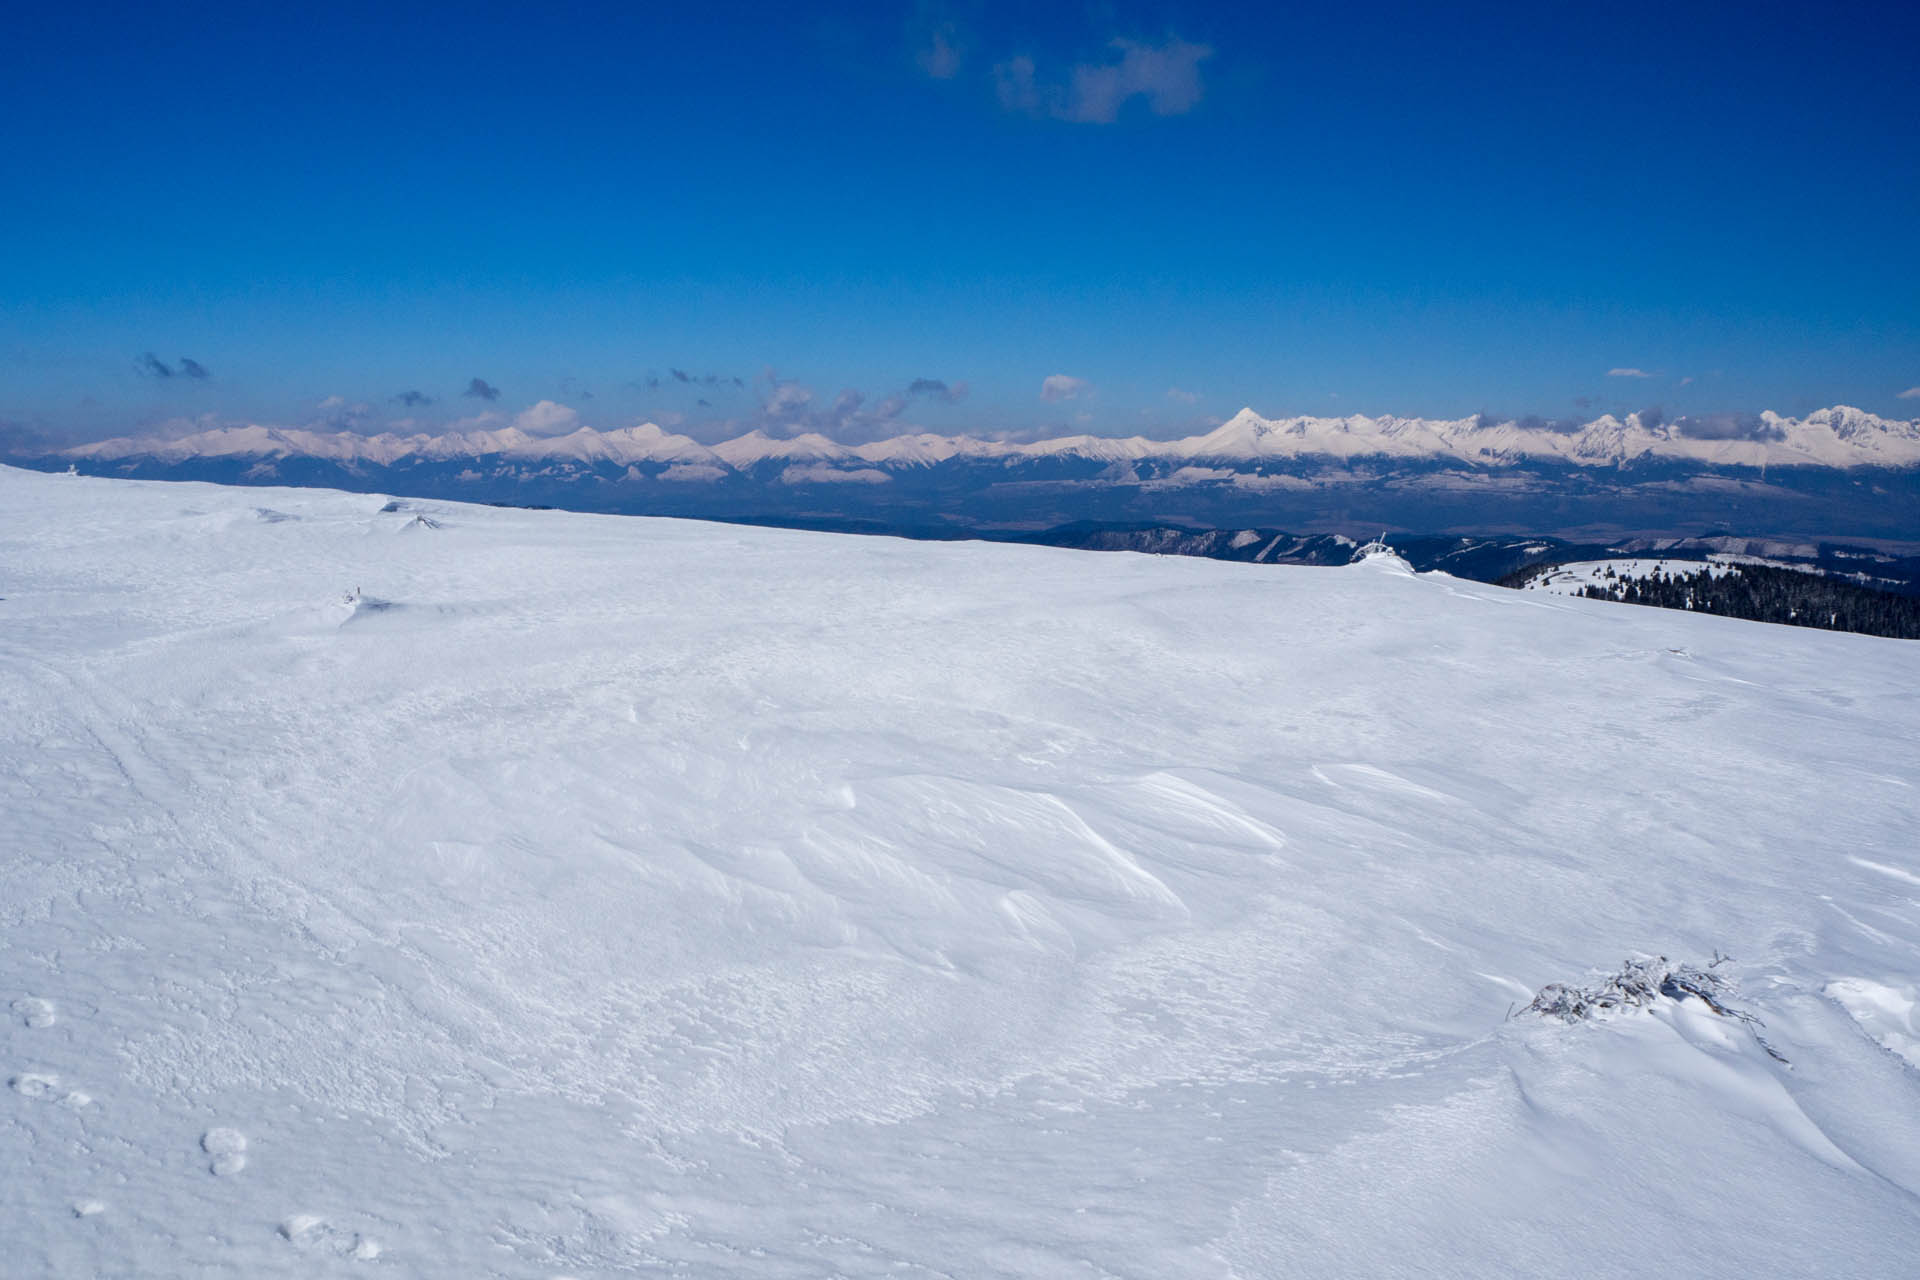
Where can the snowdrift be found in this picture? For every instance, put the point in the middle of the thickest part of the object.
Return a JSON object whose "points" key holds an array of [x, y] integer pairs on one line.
{"points": [[633, 896]]}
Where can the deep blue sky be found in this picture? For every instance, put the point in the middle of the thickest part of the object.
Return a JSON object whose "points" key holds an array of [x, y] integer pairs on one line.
{"points": [[1374, 208]]}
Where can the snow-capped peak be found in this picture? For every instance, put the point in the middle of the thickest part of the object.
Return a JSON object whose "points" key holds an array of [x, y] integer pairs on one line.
{"points": [[1841, 436]]}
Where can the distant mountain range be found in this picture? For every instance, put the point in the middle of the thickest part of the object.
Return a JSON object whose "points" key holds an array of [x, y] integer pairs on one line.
{"points": [[1837, 472], [1837, 437]]}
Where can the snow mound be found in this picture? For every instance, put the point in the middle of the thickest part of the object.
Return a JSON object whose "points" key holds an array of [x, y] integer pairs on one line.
{"points": [[1884, 1011]]}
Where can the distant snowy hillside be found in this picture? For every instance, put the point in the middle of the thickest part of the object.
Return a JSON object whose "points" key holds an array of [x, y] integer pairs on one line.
{"points": [[530, 894], [1734, 586], [1574, 579]]}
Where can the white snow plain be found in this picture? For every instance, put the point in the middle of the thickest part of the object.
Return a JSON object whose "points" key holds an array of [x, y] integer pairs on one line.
{"points": [[532, 895]]}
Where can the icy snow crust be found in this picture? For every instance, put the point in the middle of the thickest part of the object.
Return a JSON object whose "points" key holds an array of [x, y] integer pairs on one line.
{"points": [[558, 895]]}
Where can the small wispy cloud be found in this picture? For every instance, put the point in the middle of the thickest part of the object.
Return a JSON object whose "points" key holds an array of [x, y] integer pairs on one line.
{"points": [[20, 438], [938, 389], [1728, 426], [413, 399], [787, 399], [481, 389], [943, 52], [151, 366], [547, 418], [337, 413], [1166, 75], [654, 382], [1183, 397], [1059, 386], [1687, 381], [1911, 393], [787, 407], [1628, 373]]}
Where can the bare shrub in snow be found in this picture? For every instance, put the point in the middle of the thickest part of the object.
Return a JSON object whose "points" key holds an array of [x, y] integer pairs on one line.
{"points": [[1640, 984]]}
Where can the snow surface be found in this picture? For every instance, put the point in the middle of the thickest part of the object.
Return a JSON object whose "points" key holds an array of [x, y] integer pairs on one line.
{"points": [[552, 895]]}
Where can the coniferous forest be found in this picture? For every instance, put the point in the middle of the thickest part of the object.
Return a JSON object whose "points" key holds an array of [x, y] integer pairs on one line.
{"points": [[1763, 593]]}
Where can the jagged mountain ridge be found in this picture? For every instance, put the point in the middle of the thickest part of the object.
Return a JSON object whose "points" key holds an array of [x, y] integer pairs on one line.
{"points": [[1837, 473], [1837, 437]]}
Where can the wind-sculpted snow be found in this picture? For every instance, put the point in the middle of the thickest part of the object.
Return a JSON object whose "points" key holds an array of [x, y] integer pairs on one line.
{"points": [[533, 894]]}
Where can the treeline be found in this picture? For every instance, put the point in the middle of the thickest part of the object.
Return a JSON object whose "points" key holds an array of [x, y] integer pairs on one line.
{"points": [[1762, 593]]}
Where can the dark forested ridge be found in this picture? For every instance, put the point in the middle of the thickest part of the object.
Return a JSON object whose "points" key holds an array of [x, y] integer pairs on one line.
{"points": [[1762, 593]]}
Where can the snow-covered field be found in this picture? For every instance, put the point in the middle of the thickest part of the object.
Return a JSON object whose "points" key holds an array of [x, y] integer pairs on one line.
{"points": [[1573, 579], [595, 896]]}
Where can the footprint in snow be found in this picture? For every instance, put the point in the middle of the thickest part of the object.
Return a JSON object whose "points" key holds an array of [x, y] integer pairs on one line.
{"points": [[33, 1084], [88, 1208], [44, 1086], [34, 1012], [311, 1233], [228, 1147]]}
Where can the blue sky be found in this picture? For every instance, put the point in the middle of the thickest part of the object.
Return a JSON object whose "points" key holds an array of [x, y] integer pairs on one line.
{"points": [[1171, 210]]}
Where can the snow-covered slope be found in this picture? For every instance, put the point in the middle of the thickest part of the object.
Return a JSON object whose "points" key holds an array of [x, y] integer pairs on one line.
{"points": [[532, 894], [1573, 579]]}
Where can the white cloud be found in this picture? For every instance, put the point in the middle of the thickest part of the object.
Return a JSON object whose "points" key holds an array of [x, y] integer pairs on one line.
{"points": [[1058, 386], [693, 472], [1199, 475], [1687, 381], [547, 419], [788, 398], [944, 52], [1019, 89], [1184, 397], [1628, 373], [340, 414], [821, 473], [1167, 76], [1911, 393]]}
